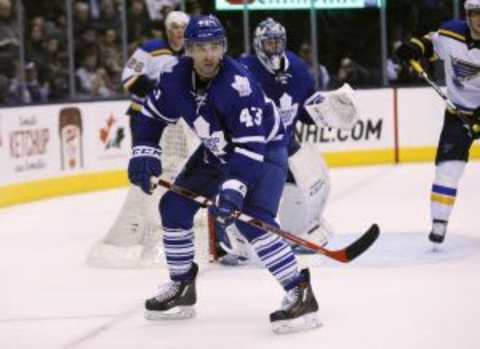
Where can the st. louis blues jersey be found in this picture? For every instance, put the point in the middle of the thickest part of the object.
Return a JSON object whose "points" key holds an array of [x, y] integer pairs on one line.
{"points": [[143, 69], [453, 44], [288, 89], [230, 114]]}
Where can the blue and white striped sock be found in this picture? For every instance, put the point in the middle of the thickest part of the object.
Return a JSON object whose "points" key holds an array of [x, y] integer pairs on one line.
{"points": [[179, 250], [278, 257]]}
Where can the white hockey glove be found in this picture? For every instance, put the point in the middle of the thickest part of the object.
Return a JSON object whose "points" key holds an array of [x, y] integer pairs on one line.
{"points": [[334, 109]]}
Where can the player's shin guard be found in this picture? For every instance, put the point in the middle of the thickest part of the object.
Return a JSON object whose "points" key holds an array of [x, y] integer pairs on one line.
{"points": [[175, 299], [299, 308]]}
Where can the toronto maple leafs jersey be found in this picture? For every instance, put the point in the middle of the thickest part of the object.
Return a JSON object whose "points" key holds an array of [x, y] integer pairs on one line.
{"points": [[453, 44], [143, 69], [230, 115], [288, 89]]}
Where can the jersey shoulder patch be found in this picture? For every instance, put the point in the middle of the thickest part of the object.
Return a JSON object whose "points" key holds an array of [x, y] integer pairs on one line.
{"points": [[157, 47], [454, 29]]}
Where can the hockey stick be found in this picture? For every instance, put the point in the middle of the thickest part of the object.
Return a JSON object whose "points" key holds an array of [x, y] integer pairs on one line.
{"points": [[344, 255], [423, 74]]}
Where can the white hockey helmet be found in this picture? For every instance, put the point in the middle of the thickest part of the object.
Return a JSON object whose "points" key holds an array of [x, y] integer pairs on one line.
{"points": [[270, 42], [471, 5], [176, 17]]}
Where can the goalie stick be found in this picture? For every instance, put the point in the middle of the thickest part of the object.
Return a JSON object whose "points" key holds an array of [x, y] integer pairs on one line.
{"points": [[423, 74], [344, 255]]}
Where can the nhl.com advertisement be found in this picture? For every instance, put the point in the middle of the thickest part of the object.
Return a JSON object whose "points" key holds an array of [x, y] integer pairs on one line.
{"points": [[229, 5]]}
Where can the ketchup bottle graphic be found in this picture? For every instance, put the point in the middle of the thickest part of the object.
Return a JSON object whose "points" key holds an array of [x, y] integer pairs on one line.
{"points": [[71, 143]]}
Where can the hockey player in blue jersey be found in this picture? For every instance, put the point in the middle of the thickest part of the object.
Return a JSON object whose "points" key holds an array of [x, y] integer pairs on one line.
{"points": [[457, 43], [286, 80], [242, 162], [125, 242]]}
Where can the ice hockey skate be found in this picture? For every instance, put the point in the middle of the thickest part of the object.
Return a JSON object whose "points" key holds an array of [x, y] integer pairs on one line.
{"points": [[439, 230], [299, 309], [175, 300]]}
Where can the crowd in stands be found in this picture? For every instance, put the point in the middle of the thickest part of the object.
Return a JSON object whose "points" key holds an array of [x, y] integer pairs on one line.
{"points": [[98, 54]]}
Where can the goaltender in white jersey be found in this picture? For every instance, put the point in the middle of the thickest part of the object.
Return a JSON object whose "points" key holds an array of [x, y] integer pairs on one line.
{"points": [[132, 239], [457, 43]]}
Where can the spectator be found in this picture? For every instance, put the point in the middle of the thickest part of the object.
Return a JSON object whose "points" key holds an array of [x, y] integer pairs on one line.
{"points": [[193, 8], [5, 97], [35, 49], [352, 73], [111, 58], [109, 16], [30, 91], [91, 79], [81, 18], [8, 40], [137, 23], [305, 53], [57, 71]]}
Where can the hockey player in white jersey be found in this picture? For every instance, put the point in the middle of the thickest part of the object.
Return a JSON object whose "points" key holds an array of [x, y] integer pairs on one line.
{"points": [[242, 162], [131, 241], [285, 79], [457, 43]]}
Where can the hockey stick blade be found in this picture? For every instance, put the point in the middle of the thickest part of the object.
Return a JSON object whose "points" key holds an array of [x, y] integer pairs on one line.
{"points": [[344, 255], [356, 248]]}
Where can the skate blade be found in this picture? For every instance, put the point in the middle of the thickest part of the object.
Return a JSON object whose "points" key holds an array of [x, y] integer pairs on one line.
{"points": [[177, 313], [303, 323], [436, 247]]}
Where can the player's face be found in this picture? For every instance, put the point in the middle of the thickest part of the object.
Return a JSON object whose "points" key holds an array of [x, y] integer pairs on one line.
{"points": [[207, 57], [273, 46], [475, 23], [175, 35]]}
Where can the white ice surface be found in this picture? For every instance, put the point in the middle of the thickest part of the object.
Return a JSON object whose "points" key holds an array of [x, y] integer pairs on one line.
{"points": [[398, 295]]}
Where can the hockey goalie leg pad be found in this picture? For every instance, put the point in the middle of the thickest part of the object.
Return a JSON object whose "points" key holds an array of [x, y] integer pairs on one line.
{"points": [[303, 323], [307, 196], [177, 313]]}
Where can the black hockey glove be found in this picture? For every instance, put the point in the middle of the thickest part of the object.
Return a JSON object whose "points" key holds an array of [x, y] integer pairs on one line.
{"points": [[476, 121], [408, 51]]}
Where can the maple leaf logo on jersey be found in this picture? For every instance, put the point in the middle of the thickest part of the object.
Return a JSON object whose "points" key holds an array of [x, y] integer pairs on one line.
{"points": [[215, 142], [242, 85], [464, 71], [287, 109]]}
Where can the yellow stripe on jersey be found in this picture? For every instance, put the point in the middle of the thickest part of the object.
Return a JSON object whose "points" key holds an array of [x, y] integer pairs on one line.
{"points": [[444, 200], [161, 52], [419, 44], [452, 35], [130, 82], [136, 106]]}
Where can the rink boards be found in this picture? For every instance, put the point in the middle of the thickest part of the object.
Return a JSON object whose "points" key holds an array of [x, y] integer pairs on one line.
{"points": [[46, 151]]}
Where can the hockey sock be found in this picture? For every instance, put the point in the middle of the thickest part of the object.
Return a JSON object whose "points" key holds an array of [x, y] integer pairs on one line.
{"points": [[278, 258], [179, 250], [444, 189]]}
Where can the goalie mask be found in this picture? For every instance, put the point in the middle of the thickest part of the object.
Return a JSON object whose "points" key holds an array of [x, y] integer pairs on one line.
{"points": [[270, 41]]}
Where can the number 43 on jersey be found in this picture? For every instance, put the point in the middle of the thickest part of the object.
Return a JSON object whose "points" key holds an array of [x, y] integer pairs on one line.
{"points": [[251, 116]]}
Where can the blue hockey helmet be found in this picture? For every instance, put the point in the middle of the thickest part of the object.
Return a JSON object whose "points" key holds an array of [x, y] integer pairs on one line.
{"points": [[270, 42], [204, 29]]}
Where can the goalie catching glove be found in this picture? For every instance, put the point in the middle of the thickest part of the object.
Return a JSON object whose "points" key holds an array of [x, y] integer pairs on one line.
{"points": [[334, 109], [144, 164]]}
